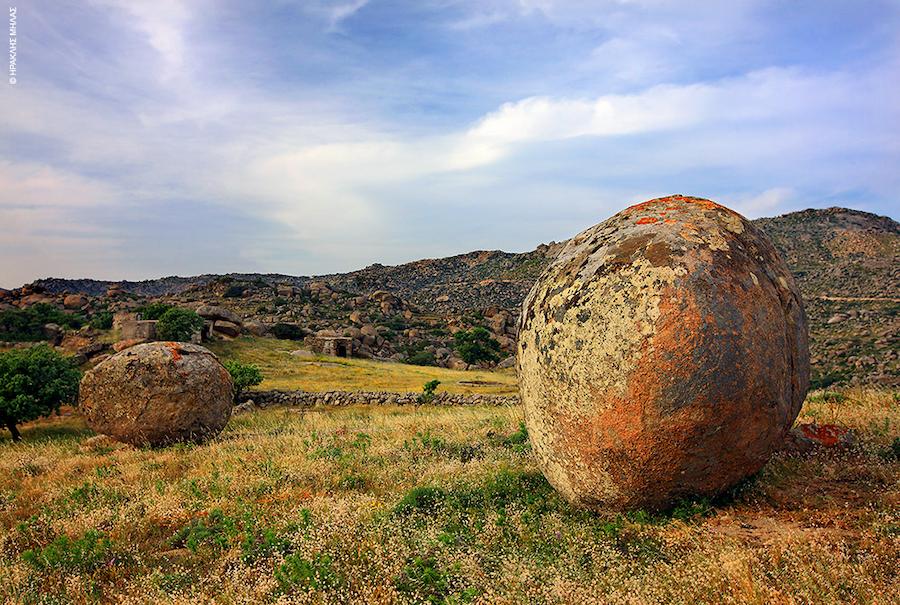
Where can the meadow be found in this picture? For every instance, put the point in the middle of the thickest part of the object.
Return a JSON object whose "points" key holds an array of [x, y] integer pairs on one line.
{"points": [[282, 370], [426, 504]]}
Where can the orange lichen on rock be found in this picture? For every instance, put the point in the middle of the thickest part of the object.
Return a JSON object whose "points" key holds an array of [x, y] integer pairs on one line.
{"points": [[647, 220], [174, 350]]}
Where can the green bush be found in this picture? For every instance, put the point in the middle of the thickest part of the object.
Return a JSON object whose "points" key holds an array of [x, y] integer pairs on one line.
{"points": [[287, 331], [217, 532], [102, 320], [422, 358], [34, 382], [85, 554], [428, 391], [298, 572], [827, 397], [421, 499], [178, 324], [153, 310], [27, 325], [476, 345], [424, 580], [243, 375]]}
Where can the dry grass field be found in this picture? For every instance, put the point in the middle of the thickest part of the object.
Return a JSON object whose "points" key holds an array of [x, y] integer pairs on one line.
{"points": [[430, 505], [285, 371]]}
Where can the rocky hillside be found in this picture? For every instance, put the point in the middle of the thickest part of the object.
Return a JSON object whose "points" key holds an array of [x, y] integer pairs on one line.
{"points": [[839, 252], [847, 263]]}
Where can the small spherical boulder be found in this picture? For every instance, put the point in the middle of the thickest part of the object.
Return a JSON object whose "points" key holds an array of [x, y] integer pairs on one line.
{"points": [[158, 393], [663, 355]]}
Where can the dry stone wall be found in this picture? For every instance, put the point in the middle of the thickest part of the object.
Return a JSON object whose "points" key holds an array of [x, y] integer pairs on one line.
{"points": [[266, 399]]}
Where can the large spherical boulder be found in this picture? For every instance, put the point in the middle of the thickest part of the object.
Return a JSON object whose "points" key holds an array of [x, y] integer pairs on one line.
{"points": [[663, 355], [158, 393]]}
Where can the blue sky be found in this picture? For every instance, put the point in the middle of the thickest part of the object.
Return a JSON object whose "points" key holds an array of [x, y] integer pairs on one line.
{"points": [[152, 138]]}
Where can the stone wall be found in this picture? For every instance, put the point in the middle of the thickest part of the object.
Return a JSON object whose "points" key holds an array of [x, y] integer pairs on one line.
{"points": [[266, 399]]}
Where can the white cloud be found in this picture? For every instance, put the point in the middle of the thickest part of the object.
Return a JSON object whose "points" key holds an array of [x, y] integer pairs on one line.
{"points": [[31, 185], [764, 203], [164, 24], [40, 210]]}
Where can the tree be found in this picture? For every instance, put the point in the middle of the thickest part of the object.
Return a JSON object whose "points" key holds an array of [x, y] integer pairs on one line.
{"points": [[34, 382], [178, 324], [476, 345], [243, 375]]}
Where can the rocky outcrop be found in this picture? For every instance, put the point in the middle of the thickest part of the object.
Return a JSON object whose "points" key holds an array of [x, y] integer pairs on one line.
{"points": [[663, 355], [215, 313], [157, 394]]}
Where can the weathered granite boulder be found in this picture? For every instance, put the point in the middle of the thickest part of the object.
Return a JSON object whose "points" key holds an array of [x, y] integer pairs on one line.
{"points": [[216, 313], [256, 328], [75, 301], [663, 355], [158, 393], [230, 329]]}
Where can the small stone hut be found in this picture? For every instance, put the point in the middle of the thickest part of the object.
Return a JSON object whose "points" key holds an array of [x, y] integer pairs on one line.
{"points": [[335, 346]]}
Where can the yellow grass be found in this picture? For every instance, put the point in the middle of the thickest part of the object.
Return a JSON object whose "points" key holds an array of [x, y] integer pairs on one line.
{"points": [[316, 507], [285, 371]]}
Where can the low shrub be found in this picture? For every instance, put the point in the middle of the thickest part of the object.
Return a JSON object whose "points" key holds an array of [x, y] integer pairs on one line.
{"points": [[86, 553], [243, 375], [424, 581], [827, 397], [308, 574], [217, 531], [518, 441], [102, 320], [234, 291], [422, 358], [428, 391]]}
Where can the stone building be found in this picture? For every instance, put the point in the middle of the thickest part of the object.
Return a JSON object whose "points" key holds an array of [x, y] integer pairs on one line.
{"points": [[335, 346]]}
